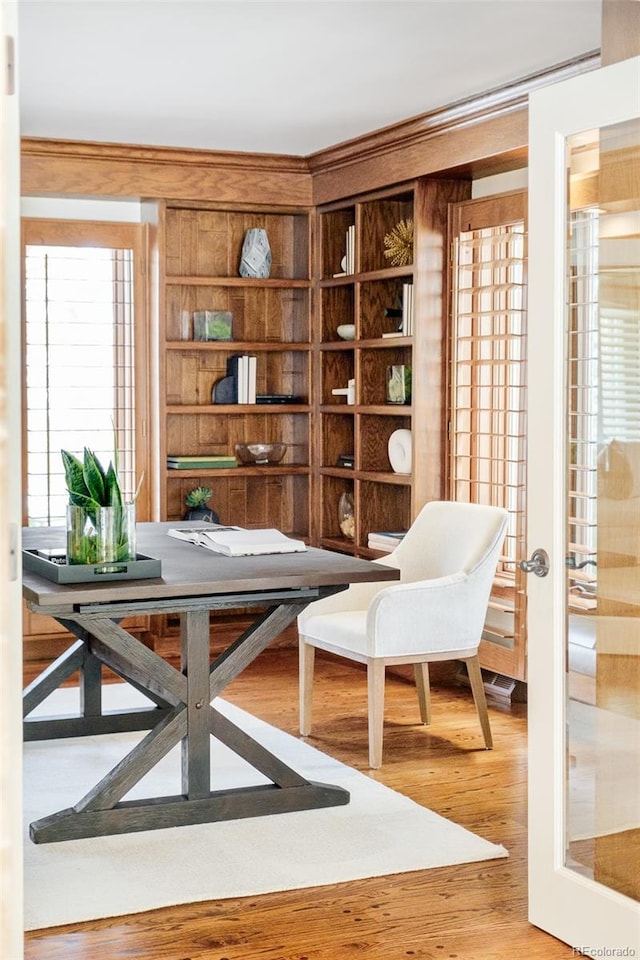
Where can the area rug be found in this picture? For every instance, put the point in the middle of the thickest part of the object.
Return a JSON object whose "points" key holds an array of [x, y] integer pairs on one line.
{"points": [[379, 832]]}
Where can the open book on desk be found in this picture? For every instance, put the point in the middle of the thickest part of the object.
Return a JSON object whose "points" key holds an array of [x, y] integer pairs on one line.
{"points": [[237, 542]]}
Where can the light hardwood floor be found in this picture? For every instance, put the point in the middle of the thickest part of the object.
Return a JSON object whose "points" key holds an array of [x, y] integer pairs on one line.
{"points": [[473, 911]]}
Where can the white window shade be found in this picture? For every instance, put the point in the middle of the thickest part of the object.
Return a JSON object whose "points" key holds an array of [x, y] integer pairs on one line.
{"points": [[80, 367]]}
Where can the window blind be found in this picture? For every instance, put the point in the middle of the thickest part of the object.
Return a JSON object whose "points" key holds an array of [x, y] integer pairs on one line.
{"points": [[488, 371], [80, 371]]}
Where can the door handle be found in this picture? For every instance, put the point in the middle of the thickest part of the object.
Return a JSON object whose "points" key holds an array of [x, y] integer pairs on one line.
{"points": [[573, 564], [538, 564]]}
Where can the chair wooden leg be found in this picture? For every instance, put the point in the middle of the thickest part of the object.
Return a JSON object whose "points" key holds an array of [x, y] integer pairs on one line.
{"points": [[421, 671], [306, 661], [477, 687], [375, 689]]}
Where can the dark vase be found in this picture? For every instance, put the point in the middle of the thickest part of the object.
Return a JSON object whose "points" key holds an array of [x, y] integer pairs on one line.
{"points": [[203, 513]]}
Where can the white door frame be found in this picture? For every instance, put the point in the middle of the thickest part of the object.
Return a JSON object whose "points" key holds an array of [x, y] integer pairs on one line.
{"points": [[571, 907], [11, 912]]}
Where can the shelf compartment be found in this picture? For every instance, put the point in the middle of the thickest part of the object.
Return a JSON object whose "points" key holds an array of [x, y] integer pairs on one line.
{"points": [[371, 373], [191, 373], [373, 441], [376, 218], [274, 500], [210, 434], [331, 489], [333, 239], [375, 298], [337, 438], [261, 313], [338, 367], [379, 509], [208, 242], [336, 308]]}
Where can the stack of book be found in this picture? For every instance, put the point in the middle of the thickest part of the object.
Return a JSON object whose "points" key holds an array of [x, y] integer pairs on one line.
{"points": [[348, 262], [351, 249], [407, 309], [243, 367], [202, 461], [384, 540], [239, 385]]}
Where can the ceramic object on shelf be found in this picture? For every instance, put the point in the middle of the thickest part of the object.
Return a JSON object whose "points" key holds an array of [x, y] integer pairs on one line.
{"points": [[399, 449], [260, 454], [255, 259], [346, 516], [346, 331]]}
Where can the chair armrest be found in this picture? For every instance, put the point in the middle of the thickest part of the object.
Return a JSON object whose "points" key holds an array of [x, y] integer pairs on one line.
{"points": [[446, 613], [357, 596]]}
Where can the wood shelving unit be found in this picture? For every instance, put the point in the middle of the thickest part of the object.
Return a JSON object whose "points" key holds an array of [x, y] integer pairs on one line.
{"points": [[383, 500], [200, 248]]}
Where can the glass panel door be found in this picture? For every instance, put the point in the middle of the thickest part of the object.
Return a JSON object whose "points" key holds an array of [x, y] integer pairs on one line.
{"points": [[584, 510], [603, 508]]}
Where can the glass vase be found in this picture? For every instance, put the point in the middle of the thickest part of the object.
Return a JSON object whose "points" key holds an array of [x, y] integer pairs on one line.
{"points": [[399, 383], [106, 536], [346, 516]]}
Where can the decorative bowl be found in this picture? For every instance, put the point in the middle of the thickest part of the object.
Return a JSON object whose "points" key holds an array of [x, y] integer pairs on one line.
{"points": [[346, 331], [260, 453]]}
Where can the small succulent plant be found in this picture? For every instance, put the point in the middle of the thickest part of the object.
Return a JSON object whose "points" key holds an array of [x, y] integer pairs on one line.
{"points": [[198, 497]]}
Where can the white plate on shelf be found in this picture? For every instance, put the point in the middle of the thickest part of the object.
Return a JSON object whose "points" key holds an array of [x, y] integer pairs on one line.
{"points": [[399, 449]]}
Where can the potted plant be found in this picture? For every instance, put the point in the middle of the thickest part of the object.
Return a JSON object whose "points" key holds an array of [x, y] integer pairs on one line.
{"points": [[100, 523], [197, 501]]}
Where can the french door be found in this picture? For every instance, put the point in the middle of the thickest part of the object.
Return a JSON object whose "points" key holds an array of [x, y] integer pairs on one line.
{"points": [[584, 510]]}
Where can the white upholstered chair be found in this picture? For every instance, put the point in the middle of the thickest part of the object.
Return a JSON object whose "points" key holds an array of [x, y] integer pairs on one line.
{"points": [[436, 611]]}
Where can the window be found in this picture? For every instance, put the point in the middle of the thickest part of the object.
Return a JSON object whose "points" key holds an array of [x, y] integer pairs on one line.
{"points": [[487, 461], [84, 345]]}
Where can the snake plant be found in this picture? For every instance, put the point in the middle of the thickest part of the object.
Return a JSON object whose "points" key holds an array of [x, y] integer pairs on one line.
{"points": [[91, 488]]}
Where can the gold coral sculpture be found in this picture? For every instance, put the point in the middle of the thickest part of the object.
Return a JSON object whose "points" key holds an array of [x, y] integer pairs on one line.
{"points": [[399, 244]]}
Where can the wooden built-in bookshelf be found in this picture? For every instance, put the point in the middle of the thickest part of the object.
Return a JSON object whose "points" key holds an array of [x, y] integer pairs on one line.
{"points": [[200, 248], [383, 499]]}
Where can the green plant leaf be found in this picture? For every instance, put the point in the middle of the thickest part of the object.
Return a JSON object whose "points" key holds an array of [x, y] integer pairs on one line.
{"points": [[94, 477], [198, 497], [88, 504], [74, 474], [113, 493]]}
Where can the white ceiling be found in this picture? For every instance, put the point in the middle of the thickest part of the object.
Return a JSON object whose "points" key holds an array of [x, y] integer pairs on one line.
{"points": [[276, 77]]}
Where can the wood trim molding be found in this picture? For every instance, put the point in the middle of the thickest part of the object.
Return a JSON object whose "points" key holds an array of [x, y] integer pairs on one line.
{"points": [[78, 168], [476, 109], [486, 133]]}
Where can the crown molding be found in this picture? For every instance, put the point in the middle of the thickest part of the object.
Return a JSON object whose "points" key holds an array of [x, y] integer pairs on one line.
{"points": [[464, 113], [474, 132], [128, 153], [80, 168]]}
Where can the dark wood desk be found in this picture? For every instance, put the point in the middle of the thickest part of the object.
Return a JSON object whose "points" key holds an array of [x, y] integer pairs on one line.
{"points": [[194, 581]]}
